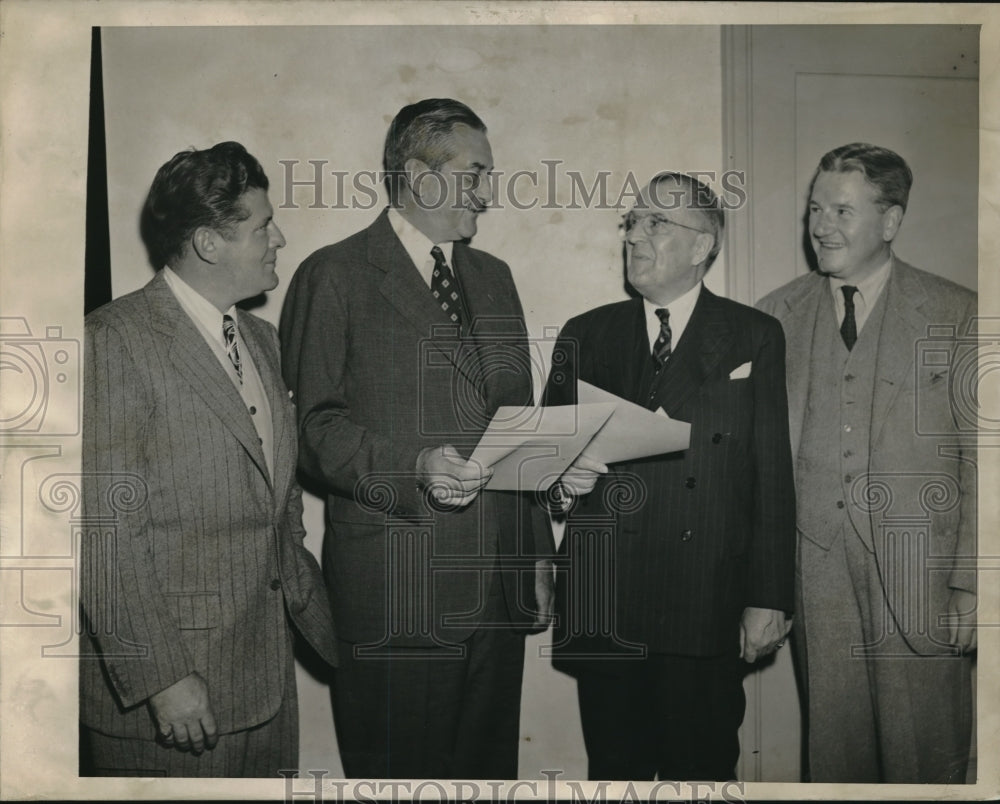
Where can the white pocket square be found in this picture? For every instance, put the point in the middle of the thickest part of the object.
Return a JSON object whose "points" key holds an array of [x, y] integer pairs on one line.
{"points": [[741, 372]]}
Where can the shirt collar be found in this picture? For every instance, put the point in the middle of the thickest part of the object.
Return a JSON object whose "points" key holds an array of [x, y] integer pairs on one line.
{"points": [[869, 288], [680, 310], [418, 245], [197, 306]]}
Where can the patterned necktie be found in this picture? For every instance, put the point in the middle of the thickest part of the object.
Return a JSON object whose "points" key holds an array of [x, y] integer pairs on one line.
{"points": [[232, 348], [849, 326], [661, 349], [444, 287]]}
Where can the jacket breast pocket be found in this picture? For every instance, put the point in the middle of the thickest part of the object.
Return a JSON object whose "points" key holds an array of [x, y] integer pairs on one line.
{"points": [[196, 611], [724, 411]]}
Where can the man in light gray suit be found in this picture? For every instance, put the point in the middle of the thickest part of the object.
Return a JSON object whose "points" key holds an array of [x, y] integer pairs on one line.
{"points": [[878, 358], [195, 572]]}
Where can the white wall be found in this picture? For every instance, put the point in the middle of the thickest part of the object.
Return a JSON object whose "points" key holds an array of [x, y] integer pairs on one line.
{"points": [[600, 98]]}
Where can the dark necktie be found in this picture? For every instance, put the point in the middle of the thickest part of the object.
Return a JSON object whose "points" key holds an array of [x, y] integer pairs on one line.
{"points": [[849, 327], [232, 348], [661, 349], [444, 287]]}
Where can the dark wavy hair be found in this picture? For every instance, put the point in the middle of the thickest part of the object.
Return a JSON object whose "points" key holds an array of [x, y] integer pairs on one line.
{"points": [[885, 170], [194, 189], [422, 131]]}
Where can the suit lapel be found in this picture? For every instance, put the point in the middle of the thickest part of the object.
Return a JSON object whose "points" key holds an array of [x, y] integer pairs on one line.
{"points": [[902, 326], [404, 288], [402, 284], [274, 389], [480, 289], [799, 323], [498, 334], [706, 339], [195, 363], [630, 375]]}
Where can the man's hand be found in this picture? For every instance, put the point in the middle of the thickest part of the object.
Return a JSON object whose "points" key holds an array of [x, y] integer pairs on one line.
{"points": [[544, 592], [451, 480], [761, 631], [582, 476], [184, 716], [962, 616]]}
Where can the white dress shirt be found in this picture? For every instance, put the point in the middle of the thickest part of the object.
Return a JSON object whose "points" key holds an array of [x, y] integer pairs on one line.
{"points": [[418, 245], [680, 310], [864, 300]]}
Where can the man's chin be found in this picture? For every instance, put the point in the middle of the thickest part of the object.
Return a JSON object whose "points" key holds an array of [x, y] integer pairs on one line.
{"points": [[469, 226], [828, 266], [635, 281]]}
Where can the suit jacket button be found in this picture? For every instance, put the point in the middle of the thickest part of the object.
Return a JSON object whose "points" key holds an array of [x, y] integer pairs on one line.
{"points": [[686, 536], [690, 482], [717, 438], [275, 584]]}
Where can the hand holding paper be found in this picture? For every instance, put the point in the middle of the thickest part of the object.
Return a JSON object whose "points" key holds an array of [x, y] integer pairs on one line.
{"points": [[529, 448], [451, 480], [582, 475]]}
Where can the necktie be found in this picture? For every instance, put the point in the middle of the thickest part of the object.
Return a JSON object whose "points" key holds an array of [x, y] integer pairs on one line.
{"points": [[849, 326], [444, 287], [232, 348], [661, 349]]}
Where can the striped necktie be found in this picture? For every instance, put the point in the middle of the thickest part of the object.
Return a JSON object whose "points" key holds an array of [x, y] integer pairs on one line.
{"points": [[232, 348], [661, 349]]}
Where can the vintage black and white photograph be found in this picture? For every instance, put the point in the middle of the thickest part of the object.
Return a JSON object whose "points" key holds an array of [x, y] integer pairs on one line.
{"points": [[477, 401]]}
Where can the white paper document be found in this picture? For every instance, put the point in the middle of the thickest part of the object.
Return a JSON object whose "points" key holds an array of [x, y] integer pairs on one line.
{"points": [[632, 431], [528, 448]]}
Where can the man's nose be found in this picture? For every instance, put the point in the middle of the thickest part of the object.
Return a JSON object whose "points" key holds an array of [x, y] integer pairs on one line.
{"points": [[636, 233], [277, 238], [484, 191], [820, 224]]}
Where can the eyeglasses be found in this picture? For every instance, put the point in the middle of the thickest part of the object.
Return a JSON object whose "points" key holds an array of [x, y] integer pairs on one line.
{"points": [[653, 224]]}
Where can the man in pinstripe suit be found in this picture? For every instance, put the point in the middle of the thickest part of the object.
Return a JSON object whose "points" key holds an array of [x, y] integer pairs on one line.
{"points": [[688, 556], [193, 583]]}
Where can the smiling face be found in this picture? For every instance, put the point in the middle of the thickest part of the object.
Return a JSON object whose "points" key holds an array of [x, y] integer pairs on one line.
{"points": [[248, 255], [449, 199], [850, 233], [666, 249]]}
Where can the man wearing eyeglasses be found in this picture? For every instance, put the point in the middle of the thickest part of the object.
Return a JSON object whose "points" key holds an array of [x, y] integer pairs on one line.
{"points": [[696, 570]]}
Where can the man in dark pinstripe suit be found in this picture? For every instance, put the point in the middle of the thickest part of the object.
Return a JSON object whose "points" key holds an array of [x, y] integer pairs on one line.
{"points": [[677, 566], [193, 568]]}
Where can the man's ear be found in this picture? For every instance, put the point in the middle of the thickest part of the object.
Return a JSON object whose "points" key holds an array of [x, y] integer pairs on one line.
{"points": [[702, 246], [417, 173], [205, 242], [891, 220]]}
